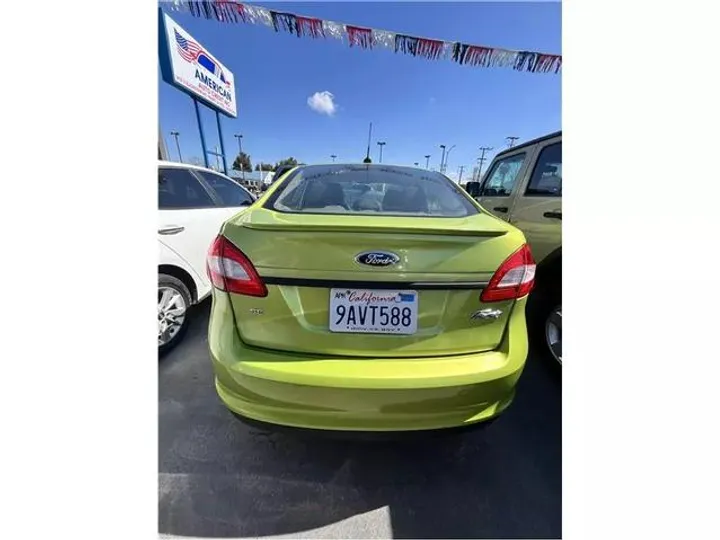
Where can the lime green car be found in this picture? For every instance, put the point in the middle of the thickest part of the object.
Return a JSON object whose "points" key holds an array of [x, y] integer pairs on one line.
{"points": [[368, 298]]}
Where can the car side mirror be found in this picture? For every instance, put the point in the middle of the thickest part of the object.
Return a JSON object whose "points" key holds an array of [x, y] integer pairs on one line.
{"points": [[473, 189]]}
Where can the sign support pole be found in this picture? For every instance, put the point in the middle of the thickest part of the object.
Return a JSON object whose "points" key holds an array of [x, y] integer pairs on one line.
{"points": [[222, 144], [202, 134], [178, 65]]}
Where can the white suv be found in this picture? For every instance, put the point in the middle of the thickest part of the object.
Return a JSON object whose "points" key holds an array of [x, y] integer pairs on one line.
{"points": [[193, 203]]}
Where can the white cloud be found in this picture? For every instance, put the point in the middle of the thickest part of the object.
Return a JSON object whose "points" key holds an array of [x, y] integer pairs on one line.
{"points": [[322, 102]]}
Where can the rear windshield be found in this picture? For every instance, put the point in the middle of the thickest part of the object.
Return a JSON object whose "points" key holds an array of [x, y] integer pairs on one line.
{"points": [[370, 190]]}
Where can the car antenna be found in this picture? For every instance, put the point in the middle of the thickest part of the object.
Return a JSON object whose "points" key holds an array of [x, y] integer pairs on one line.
{"points": [[367, 156]]}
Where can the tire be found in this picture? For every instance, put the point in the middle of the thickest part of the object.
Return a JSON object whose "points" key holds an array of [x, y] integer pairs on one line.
{"points": [[175, 308], [545, 323]]}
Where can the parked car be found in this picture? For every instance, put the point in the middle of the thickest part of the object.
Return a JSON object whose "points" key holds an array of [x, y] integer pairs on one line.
{"points": [[405, 316], [193, 203], [524, 186], [281, 171]]}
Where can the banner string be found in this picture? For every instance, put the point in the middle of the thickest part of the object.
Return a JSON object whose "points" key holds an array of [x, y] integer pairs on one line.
{"points": [[229, 11]]}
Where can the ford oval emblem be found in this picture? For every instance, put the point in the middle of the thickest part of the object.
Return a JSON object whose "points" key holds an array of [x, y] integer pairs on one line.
{"points": [[377, 258]]}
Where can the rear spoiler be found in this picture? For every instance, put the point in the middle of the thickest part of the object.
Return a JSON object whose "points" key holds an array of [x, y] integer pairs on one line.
{"points": [[365, 229]]}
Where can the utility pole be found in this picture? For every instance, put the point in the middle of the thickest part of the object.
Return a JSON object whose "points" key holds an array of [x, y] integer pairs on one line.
{"points": [[333, 156], [239, 137], [462, 168], [427, 161], [511, 141], [367, 156], [482, 159], [381, 144], [442, 158], [176, 134], [447, 156]]}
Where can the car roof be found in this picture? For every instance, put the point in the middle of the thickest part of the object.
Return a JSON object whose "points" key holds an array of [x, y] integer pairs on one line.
{"points": [[177, 165], [407, 168], [530, 143], [370, 165]]}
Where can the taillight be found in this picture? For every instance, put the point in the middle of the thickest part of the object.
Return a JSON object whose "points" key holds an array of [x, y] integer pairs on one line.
{"points": [[230, 270], [514, 279]]}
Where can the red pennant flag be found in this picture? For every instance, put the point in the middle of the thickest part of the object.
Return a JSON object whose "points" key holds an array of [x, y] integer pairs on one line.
{"points": [[309, 26], [359, 36], [430, 48]]}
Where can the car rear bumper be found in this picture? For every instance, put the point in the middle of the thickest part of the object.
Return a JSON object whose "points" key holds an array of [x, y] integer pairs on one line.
{"points": [[351, 394]]}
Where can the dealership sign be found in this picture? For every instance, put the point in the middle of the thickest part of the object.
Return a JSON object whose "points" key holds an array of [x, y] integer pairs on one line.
{"points": [[189, 66]]}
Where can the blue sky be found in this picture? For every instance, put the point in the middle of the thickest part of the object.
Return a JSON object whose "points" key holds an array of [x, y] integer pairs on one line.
{"points": [[415, 104]]}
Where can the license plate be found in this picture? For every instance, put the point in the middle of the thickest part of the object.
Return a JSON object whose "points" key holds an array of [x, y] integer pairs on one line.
{"points": [[364, 311]]}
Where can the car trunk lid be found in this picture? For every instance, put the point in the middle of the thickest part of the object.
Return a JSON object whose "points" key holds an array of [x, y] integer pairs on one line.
{"points": [[310, 266]]}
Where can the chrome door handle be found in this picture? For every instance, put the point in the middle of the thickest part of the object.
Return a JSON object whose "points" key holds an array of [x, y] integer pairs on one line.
{"points": [[171, 229]]}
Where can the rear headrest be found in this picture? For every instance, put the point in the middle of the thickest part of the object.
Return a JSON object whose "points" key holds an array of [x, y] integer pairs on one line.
{"points": [[393, 201], [314, 196], [320, 195], [334, 194], [412, 200]]}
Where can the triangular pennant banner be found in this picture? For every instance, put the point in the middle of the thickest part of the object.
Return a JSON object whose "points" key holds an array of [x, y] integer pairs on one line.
{"points": [[359, 36], [284, 21], [310, 27], [367, 38]]}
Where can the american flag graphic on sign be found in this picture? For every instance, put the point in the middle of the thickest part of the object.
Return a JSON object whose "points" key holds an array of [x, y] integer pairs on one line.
{"points": [[187, 48]]}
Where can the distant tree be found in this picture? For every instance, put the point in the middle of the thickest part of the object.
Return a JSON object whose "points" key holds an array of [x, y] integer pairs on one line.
{"points": [[265, 167], [242, 163], [289, 162], [367, 159]]}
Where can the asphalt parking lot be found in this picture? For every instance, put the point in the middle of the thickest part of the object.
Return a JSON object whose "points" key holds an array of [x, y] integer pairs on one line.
{"points": [[220, 478]]}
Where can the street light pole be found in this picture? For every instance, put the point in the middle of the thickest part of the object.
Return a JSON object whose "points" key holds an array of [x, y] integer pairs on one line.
{"points": [[511, 141], [176, 134], [427, 161], [447, 156], [381, 144], [442, 158], [333, 156], [239, 137]]}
